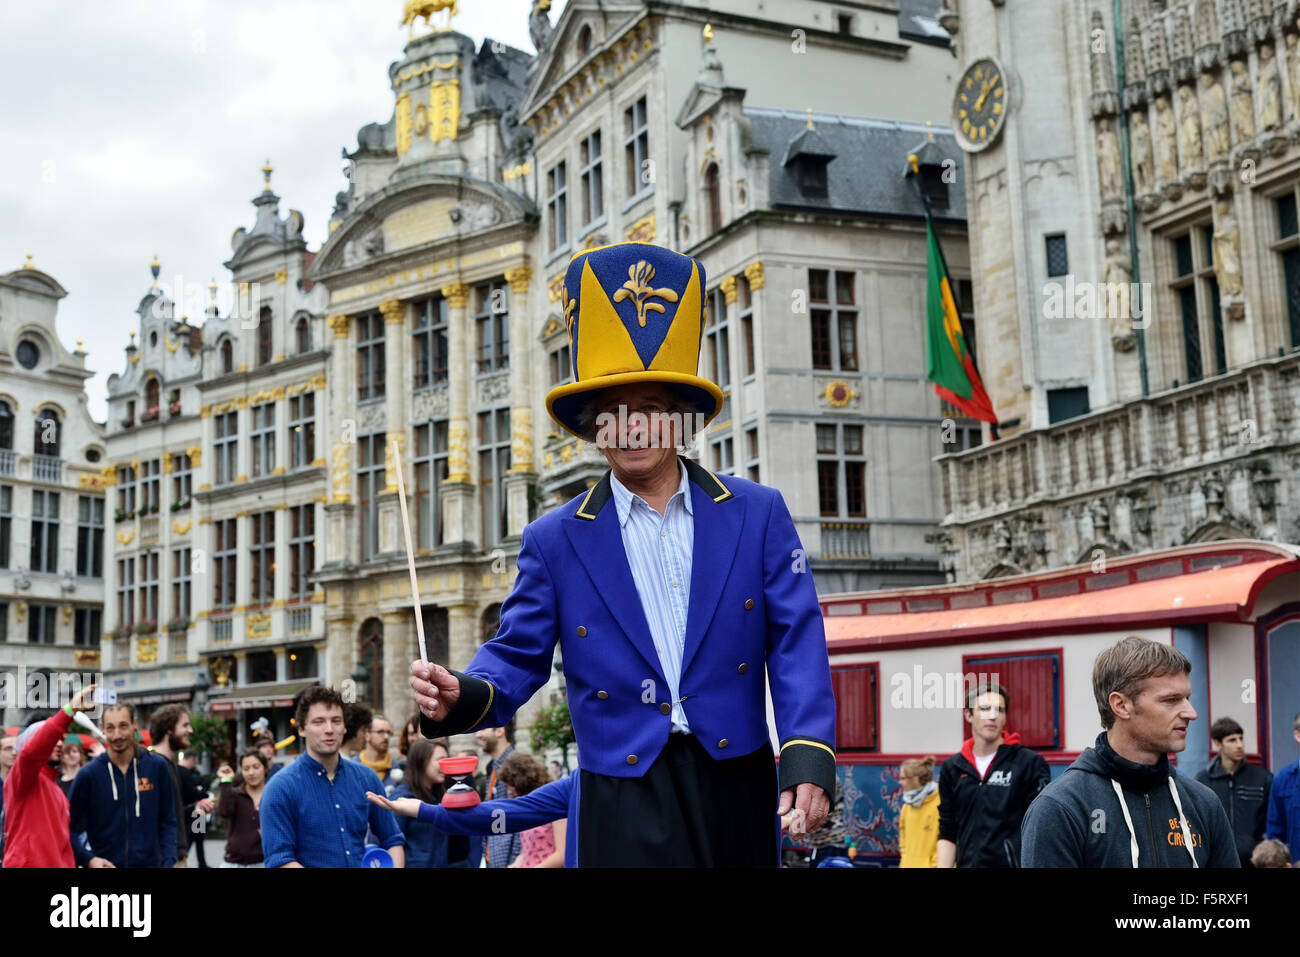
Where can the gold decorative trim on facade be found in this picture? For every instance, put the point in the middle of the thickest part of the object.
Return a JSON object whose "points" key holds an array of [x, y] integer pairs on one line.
{"points": [[67, 614], [341, 473], [511, 173], [642, 231], [394, 311], [318, 598], [318, 464], [839, 394], [415, 72], [277, 603], [458, 452], [555, 288], [754, 273], [277, 358], [91, 481], [490, 258], [205, 411], [278, 470], [167, 463], [456, 294], [242, 367], [282, 276], [195, 453], [277, 394], [180, 529], [553, 325], [240, 479], [205, 487], [728, 287], [88, 656], [521, 449], [241, 515], [519, 278], [146, 650], [444, 99], [134, 359], [340, 325], [20, 610], [280, 507], [125, 538], [135, 467], [390, 461], [171, 346], [257, 626]]}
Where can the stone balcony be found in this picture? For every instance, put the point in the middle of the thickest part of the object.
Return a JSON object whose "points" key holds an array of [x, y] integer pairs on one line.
{"points": [[1211, 460]]}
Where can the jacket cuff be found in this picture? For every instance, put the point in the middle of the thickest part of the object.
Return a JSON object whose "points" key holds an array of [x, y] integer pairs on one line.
{"points": [[807, 760], [476, 699]]}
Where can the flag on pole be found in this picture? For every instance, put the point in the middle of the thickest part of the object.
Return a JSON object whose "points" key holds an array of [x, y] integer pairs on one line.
{"points": [[950, 365]]}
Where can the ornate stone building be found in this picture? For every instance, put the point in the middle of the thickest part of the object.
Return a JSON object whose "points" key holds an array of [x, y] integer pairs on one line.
{"points": [[220, 484], [435, 329], [1132, 205], [52, 480]]}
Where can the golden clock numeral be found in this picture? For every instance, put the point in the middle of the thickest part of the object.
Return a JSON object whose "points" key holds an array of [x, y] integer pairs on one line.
{"points": [[997, 109], [966, 127], [962, 114], [964, 98], [998, 91], [969, 83]]}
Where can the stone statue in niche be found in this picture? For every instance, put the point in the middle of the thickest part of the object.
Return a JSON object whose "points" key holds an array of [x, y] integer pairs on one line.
{"points": [[1243, 108], [1270, 90], [1141, 152], [1227, 253], [1214, 115], [1108, 161], [1189, 130], [1166, 148], [1293, 66], [1118, 276]]}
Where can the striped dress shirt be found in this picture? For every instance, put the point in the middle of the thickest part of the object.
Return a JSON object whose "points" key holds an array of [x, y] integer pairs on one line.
{"points": [[659, 551]]}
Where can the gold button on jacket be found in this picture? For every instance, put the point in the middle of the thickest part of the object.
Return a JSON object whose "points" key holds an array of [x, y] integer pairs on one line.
{"points": [[665, 708], [743, 668], [602, 695], [749, 603], [582, 631], [631, 759], [723, 743]]}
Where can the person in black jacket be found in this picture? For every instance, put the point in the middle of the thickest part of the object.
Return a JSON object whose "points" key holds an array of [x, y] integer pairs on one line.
{"points": [[985, 789], [195, 796], [1241, 786]]}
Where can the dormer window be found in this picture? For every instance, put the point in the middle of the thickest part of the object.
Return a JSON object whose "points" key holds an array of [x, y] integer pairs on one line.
{"points": [[584, 40], [807, 157], [227, 357], [303, 334], [933, 188]]}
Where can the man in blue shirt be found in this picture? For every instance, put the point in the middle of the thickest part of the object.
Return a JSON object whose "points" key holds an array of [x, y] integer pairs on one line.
{"points": [[1284, 802], [316, 814]]}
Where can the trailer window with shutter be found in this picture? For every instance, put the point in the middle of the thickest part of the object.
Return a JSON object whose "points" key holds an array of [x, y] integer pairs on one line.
{"points": [[1032, 680], [857, 709]]}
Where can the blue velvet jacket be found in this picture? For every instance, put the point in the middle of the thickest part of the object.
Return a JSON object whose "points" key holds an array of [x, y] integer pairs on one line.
{"points": [[753, 614]]}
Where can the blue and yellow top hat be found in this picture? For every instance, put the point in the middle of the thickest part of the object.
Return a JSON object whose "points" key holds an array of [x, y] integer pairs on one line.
{"points": [[635, 313]]}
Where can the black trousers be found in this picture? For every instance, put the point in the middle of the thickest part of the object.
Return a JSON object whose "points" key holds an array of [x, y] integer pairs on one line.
{"points": [[688, 810]]}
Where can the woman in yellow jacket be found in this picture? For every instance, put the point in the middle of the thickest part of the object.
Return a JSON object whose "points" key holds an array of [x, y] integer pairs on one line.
{"points": [[918, 821]]}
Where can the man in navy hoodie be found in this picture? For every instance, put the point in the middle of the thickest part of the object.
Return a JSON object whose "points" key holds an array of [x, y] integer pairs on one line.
{"points": [[1122, 804], [123, 802], [985, 788]]}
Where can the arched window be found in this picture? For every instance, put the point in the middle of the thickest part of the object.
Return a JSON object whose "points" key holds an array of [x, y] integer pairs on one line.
{"points": [[489, 623], [227, 357], [151, 396], [6, 426], [48, 432], [584, 40], [713, 188], [303, 333], [264, 336], [372, 656]]}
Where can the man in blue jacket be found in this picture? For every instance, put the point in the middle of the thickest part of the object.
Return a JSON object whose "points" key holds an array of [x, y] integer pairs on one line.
{"points": [[123, 801], [674, 594], [1284, 802]]}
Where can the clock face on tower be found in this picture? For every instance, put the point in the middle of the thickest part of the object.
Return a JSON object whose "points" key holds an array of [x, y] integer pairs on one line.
{"points": [[979, 109]]}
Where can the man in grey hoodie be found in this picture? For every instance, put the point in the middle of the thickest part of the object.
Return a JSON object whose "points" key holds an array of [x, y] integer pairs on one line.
{"points": [[1121, 804]]}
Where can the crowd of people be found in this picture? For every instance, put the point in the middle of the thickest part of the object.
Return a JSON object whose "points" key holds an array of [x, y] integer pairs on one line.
{"points": [[121, 803], [1121, 804]]}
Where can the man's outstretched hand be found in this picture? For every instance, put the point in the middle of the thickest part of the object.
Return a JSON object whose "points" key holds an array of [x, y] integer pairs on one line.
{"points": [[812, 806], [436, 689]]}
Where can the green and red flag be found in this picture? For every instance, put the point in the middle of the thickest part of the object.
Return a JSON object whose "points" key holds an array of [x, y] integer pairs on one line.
{"points": [[950, 365]]}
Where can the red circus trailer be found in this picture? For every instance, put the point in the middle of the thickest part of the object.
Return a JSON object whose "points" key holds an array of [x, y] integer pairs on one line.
{"points": [[901, 661]]}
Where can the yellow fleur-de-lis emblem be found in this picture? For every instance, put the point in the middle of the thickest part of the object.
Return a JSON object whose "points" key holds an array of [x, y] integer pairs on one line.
{"points": [[569, 306], [638, 289]]}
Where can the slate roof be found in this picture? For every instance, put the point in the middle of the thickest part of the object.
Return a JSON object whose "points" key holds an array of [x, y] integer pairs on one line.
{"points": [[866, 175]]}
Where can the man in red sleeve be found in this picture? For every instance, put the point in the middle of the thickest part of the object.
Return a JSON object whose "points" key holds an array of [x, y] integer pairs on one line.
{"points": [[36, 819]]}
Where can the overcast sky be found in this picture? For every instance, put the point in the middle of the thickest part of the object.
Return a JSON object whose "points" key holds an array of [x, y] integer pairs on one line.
{"points": [[139, 127]]}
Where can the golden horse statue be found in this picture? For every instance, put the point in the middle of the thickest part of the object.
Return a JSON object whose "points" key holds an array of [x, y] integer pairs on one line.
{"points": [[425, 9]]}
